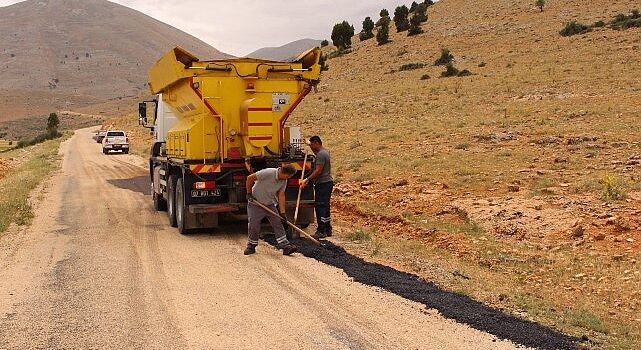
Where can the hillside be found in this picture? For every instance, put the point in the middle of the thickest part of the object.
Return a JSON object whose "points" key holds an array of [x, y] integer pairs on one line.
{"points": [[285, 52], [64, 54], [523, 176]]}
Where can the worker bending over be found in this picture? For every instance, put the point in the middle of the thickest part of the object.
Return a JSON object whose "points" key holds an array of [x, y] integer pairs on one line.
{"points": [[268, 186]]}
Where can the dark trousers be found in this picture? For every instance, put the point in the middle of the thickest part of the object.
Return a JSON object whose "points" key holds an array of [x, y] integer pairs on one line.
{"points": [[255, 215], [323, 195]]}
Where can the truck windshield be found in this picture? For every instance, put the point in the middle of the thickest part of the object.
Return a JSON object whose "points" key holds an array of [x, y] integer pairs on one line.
{"points": [[115, 133]]}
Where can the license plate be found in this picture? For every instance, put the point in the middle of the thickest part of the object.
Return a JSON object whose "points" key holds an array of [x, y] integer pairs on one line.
{"points": [[116, 146], [205, 193]]}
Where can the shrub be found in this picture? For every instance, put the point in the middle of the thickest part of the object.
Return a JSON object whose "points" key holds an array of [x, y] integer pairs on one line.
{"points": [[53, 122], [415, 26], [413, 6], [421, 12], [612, 191], [324, 43], [482, 64], [384, 13], [573, 28], [338, 53], [425, 77], [622, 21], [446, 58], [540, 4], [400, 18], [598, 24], [342, 35], [382, 36], [464, 73], [323, 63], [411, 66], [367, 32], [450, 71]]}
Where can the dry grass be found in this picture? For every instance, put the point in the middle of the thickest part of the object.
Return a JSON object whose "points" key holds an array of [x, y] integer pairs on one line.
{"points": [[553, 118], [36, 163]]}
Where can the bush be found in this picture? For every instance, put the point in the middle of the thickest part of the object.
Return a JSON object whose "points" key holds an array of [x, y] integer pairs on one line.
{"points": [[384, 13], [421, 12], [622, 21], [362, 36], [598, 24], [540, 4], [415, 25], [368, 28], [342, 35], [323, 63], [382, 36], [324, 43], [48, 135], [446, 58], [425, 77], [411, 66], [573, 28], [413, 6], [400, 18], [464, 73], [338, 53], [450, 71], [612, 191]]}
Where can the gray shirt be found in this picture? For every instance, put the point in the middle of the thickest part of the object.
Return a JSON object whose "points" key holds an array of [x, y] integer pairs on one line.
{"points": [[322, 158], [267, 185]]}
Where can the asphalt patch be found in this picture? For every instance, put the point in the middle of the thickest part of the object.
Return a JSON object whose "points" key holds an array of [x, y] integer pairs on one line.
{"points": [[454, 306]]}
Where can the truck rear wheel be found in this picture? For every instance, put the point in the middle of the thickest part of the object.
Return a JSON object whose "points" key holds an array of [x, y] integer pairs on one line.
{"points": [[171, 200], [181, 208]]}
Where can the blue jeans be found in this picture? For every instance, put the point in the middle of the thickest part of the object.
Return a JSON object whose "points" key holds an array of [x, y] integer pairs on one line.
{"points": [[323, 195]]}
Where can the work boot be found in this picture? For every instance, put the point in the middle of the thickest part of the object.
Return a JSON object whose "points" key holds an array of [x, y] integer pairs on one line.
{"points": [[319, 235], [289, 249], [251, 249]]}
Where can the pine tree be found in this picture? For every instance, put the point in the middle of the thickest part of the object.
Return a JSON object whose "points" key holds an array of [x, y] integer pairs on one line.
{"points": [[400, 18], [342, 35], [368, 29], [382, 36]]}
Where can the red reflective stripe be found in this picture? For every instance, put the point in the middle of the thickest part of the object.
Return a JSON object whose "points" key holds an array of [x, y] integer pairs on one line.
{"points": [[260, 124], [260, 137], [259, 109], [197, 168]]}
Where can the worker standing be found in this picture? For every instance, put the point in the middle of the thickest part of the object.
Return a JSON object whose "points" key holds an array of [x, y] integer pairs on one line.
{"points": [[268, 186], [323, 182]]}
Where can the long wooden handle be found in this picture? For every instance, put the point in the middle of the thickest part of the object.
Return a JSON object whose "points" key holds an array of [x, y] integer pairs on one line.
{"points": [[300, 189], [289, 223]]}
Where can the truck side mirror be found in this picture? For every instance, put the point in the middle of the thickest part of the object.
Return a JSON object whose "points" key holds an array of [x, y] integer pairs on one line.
{"points": [[142, 113]]}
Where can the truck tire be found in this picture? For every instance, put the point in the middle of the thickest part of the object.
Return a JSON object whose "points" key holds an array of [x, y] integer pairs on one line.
{"points": [[171, 200], [160, 204], [181, 208], [105, 151]]}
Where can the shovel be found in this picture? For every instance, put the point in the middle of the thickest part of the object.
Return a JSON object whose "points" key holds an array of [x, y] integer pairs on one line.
{"points": [[288, 223]]}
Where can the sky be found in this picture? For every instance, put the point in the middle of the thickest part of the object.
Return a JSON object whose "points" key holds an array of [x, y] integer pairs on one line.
{"points": [[239, 27]]}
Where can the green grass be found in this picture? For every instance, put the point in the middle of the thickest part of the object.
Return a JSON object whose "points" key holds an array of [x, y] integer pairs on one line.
{"points": [[21, 181], [358, 236]]}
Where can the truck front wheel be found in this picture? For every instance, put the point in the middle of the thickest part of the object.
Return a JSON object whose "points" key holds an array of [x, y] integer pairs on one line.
{"points": [[160, 204], [171, 200]]}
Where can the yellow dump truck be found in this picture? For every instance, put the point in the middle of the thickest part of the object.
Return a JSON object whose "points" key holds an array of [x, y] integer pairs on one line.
{"points": [[215, 122]]}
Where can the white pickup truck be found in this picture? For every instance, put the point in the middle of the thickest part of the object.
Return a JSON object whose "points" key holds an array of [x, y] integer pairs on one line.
{"points": [[115, 140]]}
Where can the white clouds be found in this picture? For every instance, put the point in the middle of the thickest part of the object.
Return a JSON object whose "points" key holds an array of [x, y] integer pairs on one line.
{"points": [[242, 26]]}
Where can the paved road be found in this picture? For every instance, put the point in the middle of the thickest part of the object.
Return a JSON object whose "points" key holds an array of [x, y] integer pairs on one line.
{"points": [[100, 269]]}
